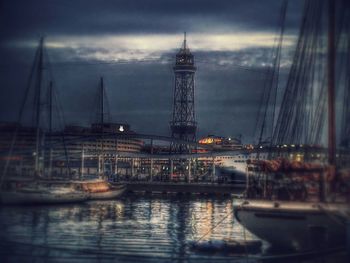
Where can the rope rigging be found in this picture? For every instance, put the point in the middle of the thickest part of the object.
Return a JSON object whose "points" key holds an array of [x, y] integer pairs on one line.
{"points": [[266, 117], [302, 116], [299, 116]]}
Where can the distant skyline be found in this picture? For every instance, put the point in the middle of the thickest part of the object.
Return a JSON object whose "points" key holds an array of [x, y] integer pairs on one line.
{"points": [[132, 44]]}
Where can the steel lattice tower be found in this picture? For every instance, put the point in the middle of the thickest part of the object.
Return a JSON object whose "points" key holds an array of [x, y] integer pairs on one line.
{"points": [[183, 125]]}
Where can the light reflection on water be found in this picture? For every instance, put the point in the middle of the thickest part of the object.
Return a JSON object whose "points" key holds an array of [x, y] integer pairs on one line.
{"points": [[134, 229], [129, 229]]}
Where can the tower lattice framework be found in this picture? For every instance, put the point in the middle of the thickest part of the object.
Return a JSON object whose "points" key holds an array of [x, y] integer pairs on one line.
{"points": [[183, 124]]}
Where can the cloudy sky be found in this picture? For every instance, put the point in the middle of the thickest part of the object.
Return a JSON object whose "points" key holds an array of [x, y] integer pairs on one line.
{"points": [[132, 44]]}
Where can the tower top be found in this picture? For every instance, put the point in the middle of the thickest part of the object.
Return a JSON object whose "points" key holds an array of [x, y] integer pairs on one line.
{"points": [[184, 48], [184, 56]]}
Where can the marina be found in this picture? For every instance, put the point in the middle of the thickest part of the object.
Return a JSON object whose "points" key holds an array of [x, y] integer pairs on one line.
{"points": [[260, 172]]}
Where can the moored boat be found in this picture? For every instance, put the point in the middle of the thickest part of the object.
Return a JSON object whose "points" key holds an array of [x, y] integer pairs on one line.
{"points": [[295, 225], [289, 205], [100, 190], [35, 193], [35, 190], [303, 205]]}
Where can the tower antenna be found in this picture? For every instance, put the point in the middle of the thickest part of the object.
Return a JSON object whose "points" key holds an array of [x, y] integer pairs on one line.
{"points": [[185, 40]]}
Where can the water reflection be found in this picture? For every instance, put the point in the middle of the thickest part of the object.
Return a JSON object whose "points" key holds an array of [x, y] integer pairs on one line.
{"points": [[146, 228]]}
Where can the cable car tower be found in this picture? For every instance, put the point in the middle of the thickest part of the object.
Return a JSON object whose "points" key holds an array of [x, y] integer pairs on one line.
{"points": [[183, 126]]}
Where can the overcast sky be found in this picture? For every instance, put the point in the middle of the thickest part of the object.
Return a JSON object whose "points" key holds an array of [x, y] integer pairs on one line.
{"points": [[231, 41]]}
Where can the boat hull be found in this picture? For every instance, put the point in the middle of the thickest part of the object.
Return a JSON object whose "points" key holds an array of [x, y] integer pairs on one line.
{"points": [[293, 226], [25, 198], [112, 193]]}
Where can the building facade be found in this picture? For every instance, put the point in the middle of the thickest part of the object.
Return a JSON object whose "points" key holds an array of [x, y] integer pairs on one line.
{"points": [[74, 150]]}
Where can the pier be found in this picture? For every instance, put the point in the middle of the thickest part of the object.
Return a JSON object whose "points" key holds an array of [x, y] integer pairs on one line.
{"points": [[185, 188]]}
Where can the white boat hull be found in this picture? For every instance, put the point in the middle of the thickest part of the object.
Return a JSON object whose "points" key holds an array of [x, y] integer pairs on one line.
{"points": [[291, 225], [30, 198]]}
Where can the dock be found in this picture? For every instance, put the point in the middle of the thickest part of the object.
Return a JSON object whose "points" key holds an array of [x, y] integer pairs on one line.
{"points": [[185, 188]]}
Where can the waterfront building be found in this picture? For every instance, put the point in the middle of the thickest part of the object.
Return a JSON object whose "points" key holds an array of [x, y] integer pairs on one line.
{"points": [[74, 150]]}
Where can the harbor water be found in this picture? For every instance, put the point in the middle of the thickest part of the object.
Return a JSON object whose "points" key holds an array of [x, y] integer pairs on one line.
{"points": [[132, 229]]}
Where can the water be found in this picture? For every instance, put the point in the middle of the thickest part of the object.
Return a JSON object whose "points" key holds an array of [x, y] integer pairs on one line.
{"points": [[133, 229]]}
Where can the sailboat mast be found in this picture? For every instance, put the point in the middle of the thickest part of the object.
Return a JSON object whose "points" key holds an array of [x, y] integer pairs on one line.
{"points": [[50, 127], [102, 126], [38, 83], [82, 161], [102, 102], [331, 83], [50, 106], [38, 103]]}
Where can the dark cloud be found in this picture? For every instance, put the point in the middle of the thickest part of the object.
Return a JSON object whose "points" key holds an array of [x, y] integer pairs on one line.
{"points": [[56, 17]]}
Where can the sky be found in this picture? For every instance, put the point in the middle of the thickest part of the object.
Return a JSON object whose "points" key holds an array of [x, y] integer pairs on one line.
{"points": [[132, 44]]}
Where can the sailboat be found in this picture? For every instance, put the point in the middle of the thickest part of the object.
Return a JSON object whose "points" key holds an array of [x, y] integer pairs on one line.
{"points": [[36, 191], [280, 206], [99, 189]]}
